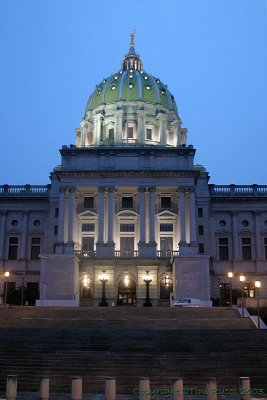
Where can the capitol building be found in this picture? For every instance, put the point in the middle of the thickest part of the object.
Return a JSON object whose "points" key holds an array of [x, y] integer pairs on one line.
{"points": [[127, 204]]}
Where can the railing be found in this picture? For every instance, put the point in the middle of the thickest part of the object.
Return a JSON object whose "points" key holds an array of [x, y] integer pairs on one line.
{"points": [[85, 253], [24, 190], [237, 190], [126, 253], [167, 253]]}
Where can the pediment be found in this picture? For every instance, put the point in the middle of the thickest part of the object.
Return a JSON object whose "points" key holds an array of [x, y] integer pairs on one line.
{"points": [[87, 214]]}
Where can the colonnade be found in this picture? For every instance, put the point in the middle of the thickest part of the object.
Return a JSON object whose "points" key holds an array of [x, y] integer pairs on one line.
{"points": [[186, 221]]}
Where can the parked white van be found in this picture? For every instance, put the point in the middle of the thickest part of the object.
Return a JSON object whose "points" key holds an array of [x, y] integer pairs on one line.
{"points": [[186, 302]]}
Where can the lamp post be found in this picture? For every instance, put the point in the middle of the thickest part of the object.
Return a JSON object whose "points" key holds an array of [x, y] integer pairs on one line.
{"points": [[242, 279], [103, 279], [257, 286], [167, 281], [220, 290], [147, 280], [230, 276], [6, 276]]}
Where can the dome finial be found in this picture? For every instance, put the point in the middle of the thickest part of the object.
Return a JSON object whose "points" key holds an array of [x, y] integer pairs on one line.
{"points": [[132, 35]]}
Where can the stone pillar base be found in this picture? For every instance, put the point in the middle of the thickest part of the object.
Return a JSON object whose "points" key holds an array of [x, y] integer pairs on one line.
{"points": [[105, 249], [188, 249], [147, 250]]}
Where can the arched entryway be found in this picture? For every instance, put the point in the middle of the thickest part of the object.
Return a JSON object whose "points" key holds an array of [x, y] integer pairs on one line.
{"points": [[166, 287], [126, 291]]}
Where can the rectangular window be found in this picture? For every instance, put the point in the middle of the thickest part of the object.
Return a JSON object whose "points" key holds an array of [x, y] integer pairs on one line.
{"points": [[249, 289], [265, 248], [166, 244], [35, 248], [88, 227], [201, 248], [111, 134], [223, 249], [246, 248], [149, 134], [127, 202], [165, 202], [200, 212], [130, 132], [13, 248], [200, 230], [56, 212], [55, 230], [87, 244], [166, 227], [89, 202], [126, 227]]}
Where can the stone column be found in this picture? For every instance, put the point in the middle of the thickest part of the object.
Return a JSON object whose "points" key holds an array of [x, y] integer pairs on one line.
{"points": [[101, 191], [76, 388], [142, 215], [111, 213], [152, 215], [258, 238], [244, 387], [235, 243], [44, 389], [110, 388], [3, 234], [61, 215], [192, 213], [23, 248], [118, 133], [211, 387], [72, 192], [141, 126], [182, 214], [162, 130], [11, 387], [178, 388], [144, 389]]}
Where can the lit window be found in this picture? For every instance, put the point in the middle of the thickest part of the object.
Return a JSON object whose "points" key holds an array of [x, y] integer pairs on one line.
{"points": [[87, 244], [149, 134], [88, 227], [35, 248]]}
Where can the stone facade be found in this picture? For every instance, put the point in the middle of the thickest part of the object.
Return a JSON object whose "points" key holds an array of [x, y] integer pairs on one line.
{"points": [[127, 199]]}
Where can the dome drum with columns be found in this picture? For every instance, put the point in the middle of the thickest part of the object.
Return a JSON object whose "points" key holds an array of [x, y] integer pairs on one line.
{"points": [[131, 107]]}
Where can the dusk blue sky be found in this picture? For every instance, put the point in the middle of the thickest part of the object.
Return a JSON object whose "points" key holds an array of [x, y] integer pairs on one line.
{"points": [[212, 54]]}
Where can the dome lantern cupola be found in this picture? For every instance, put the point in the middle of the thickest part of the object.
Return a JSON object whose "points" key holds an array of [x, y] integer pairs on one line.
{"points": [[132, 60]]}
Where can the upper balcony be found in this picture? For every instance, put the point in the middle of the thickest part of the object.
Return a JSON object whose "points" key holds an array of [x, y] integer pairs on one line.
{"points": [[25, 190], [244, 191], [163, 254]]}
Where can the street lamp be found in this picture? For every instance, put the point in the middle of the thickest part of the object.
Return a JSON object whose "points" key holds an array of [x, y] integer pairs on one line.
{"points": [[6, 276], [257, 286], [167, 280], [103, 279], [230, 276], [147, 280], [242, 279]]}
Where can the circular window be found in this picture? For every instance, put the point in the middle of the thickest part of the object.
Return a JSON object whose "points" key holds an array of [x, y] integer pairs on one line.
{"points": [[222, 223], [14, 222], [37, 222], [245, 223]]}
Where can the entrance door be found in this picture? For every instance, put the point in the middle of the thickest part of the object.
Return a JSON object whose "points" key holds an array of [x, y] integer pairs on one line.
{"points": [[126, 293]]}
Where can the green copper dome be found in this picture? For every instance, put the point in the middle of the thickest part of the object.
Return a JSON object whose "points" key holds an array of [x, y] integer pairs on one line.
{"points": [[131, 83]]}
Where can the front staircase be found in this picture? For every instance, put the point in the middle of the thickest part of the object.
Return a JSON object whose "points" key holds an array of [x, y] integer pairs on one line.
{"points": [[127, 343]]}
